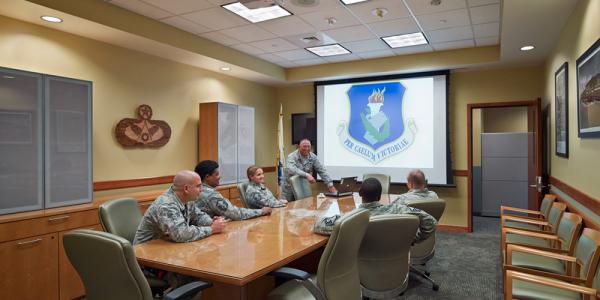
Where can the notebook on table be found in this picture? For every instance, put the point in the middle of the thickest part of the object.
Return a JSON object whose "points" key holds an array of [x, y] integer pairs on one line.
{"points": [[347, 186]]}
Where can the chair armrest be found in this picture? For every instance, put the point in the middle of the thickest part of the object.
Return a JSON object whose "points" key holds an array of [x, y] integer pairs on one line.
{"points": [[510, 275], [510, 248], [565, 278], [547, 236], [187, 290], [290, 273], [524, 220], [520, 210]]}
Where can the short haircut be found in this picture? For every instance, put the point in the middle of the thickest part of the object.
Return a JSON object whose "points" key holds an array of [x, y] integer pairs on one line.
{"points": [[182, 178], [417, 177], [251, 171], [205, 168], [370, 190], [304, 139]]}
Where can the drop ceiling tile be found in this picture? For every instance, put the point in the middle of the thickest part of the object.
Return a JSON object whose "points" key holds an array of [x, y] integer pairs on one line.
{"points": [[220, 38], [395, 10], [180, 6], [218, 2], [287, 64], [485, 30], [454, 18], [216, 18], [454, 45], [487, 41], [412, 49], [272, 58], [340, 58], [421, 7], [294, 55], [318, 19], [485, 14], [292, 5], [312, 61], [248, 33], [366, 46], [350, 34], [394, 27], [274, 45], [481, 2], [310, 39], [375, 54], [185, 25], [286, 26], [450, 34], [248, 49], [142, 8]]}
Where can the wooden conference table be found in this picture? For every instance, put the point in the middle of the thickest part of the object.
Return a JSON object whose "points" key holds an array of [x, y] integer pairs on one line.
{"points": [[237, 260]]}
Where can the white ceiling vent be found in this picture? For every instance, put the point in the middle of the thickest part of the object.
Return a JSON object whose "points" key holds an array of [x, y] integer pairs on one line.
{"points": [[305, 3], [310, 39]]}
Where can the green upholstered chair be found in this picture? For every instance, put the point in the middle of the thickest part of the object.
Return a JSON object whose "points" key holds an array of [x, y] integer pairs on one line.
{"points": [[337, 275], [108, 268], [121, 217], [383, 259], [383, 179], [509, 219], [563, 242], [300, 187], [242, 187], [521, 283], [422, 252]]}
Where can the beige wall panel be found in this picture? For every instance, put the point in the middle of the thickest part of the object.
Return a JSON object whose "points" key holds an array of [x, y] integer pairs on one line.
{"points": [[504, 119]]}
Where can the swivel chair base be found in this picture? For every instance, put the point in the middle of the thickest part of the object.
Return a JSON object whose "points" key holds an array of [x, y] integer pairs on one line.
{"points": [[425, 275]]}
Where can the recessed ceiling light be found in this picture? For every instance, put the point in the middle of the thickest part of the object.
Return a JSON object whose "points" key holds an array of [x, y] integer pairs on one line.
{"points": [[527, 48], [51, 19], [405, 40], [225, 69], [328, 50], [258, 14], [347, 2]]}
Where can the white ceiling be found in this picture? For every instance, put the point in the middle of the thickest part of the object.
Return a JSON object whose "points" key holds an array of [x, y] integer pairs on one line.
{"points": [[452, 24]]}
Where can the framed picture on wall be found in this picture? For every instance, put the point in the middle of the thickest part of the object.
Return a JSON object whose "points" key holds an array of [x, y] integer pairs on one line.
{"points": [[588, 92], [561, 111]]}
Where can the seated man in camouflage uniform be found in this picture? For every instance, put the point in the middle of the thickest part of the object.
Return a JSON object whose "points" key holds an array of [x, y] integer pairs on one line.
{"points": [[417, 189], [213, 203], [168, 217], [257, 194], [370, 191], [302, 162]]}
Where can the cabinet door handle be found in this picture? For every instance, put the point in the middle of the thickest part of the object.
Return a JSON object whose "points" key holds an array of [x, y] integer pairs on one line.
{"points": [[29, 242], [56, 219]]}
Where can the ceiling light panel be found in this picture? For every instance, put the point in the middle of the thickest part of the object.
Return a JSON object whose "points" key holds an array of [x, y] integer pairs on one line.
{"points": [[328, 50], [348, 2], [405, 40], [258, 14]]}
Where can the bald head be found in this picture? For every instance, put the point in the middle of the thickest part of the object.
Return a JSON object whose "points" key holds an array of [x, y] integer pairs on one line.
{"points": [[187, 185], [416, 179]]}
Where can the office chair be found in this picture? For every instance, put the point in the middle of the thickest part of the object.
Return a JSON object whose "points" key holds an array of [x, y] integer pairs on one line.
{"points": [[509, 219], [383, 259], [300, 187], [242, 186], [422, 252], [108, 268], [383, 179], [337, 275]]}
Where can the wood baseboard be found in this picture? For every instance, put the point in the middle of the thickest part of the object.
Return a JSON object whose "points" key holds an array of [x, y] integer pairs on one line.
{"points": [[452, 228]]}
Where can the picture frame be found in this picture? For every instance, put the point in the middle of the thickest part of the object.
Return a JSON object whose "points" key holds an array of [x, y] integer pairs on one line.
{"points": [[561, 110], [588, 92]]}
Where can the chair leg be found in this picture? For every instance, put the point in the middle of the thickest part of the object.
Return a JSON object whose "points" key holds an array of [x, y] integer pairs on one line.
{"points": [[425, 275]]}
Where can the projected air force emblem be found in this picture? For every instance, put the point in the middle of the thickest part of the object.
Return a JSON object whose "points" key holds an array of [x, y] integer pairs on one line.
{"points": [[377, 128]]}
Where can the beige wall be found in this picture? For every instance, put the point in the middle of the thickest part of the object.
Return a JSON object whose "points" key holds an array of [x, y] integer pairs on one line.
{"points": [[504, 119], [471, 86], [122, 80], [580, 170], [477, 130]]}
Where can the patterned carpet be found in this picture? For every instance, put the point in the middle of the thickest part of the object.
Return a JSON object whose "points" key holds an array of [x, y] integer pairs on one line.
{"points": [[466, 265]]}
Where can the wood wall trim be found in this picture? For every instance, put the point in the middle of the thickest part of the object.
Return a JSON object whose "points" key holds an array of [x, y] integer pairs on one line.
{"points": [[591, 203], [269, 169], [460, 173], [452, 228]]}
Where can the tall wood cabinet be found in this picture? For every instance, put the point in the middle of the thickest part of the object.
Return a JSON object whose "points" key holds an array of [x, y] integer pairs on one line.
{"points": [[226, 135]]}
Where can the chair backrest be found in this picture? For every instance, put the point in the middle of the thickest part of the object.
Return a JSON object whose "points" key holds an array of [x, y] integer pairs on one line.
{"points": [[121, 217], [547, 204], [434, 207], [337, 275], [383, 259], [556, 211], [242, 187], [423, 251], [300, 187], [107, 266], [568, 229], [587, 252], [383, 179]]}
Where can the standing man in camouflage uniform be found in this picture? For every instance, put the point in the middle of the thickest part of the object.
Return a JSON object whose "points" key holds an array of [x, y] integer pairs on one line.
{"points": [[417, 189], [370, 191], [168, 217], [213, 203], [302, 162]]}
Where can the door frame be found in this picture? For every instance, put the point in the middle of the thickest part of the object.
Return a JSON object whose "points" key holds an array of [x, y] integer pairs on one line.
{"points": [[534, 124]]}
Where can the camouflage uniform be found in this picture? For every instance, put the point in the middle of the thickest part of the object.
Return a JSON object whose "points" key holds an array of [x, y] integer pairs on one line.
{"points": [[303, 166], [259, 196], [426, 225], [169, 219], [416, 195], [214, 204]]}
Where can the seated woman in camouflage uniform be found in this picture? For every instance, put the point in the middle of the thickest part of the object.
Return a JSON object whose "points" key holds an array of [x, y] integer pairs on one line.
{"points": [[257, 194]]}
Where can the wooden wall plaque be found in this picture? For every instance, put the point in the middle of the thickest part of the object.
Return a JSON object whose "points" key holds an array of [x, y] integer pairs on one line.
{"points": [[143, 132]]}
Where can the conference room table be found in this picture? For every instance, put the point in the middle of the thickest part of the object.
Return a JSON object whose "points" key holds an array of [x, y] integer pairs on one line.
{"points": [[237, 259]]}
